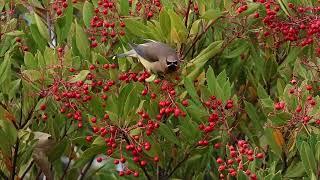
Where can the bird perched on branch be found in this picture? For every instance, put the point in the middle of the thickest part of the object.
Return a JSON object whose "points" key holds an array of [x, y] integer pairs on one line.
{"points": [[156, 57]]}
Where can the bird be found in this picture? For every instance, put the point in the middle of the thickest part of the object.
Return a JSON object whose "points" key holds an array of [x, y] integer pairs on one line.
{"points": [[40, 153], [156, 57]]}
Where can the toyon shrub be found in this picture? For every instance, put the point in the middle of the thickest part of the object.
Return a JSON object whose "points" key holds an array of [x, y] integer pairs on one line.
{"points": [[244, 103]]}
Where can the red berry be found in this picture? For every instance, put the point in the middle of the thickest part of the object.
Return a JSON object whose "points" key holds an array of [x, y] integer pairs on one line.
{"points": [[150, 14], [136, 174], [259, 155], [43, 107], [156, 159], [143, 163], [219, 161], [59, 12], [217, 145], [309, 87], [89, 138], [99, 159], [18, 39], [185, 103], [123, 160]]}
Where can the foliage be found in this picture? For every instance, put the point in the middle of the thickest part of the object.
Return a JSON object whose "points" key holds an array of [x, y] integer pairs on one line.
{"points": [[243, 105]]}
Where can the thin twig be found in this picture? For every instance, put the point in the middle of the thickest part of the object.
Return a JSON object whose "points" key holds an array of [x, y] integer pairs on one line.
{"points": [[66, 169], [27, 170], [146, 173], [198, 37], [15, 156], [187, 13], [179, 164], [85, 169]]}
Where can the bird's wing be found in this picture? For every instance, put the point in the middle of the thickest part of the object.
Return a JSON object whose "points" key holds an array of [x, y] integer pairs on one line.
{"points": [[153, 51], [131, 53]]}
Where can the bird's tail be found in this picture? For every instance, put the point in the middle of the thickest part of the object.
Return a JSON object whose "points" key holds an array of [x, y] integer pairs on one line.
{"points": [[130, 53]]}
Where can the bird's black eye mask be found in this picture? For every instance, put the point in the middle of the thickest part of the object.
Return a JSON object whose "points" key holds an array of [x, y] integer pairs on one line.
{"points": [[175, 63]]}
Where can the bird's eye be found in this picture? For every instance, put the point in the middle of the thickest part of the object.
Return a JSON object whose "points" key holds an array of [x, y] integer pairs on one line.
{"points": [[172, 63]]}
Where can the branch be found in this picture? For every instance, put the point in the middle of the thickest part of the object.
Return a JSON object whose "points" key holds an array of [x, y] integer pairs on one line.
{"points": [[187, 13], [85, 169], [66, 169], [146, 173], [3, 175], [198, 37], [15, 156], [179, 164], [27, 170]]}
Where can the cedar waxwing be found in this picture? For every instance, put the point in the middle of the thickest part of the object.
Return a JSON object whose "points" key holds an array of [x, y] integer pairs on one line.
{"points": [[40, 153], [155, 56]]}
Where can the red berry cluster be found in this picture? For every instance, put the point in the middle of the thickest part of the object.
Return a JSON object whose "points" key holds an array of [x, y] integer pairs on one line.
{"points": [[74, 99], [24, 48], [306, 103], [301, 28], [106, 25], [238, 159], [59, 5], [146, 8], [134, 77], [219, 112]]}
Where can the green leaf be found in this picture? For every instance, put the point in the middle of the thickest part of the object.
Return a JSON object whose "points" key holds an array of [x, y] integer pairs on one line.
{"points": [[295, 170], [241, 47], [124, 7], [38, 39], [41, 26], [308, 159], [197, 114], [58, 150], [9, 131], [89, 154], [15, 33], [5, 68], [191, 90], [195, 28], [168, 134], [136, 27], [82, 42], [317, 153], [88, 11], [241, 175], [165, 22], [32, 75], [212, 14], [30, 61], [80, 77], [252, 112], [178, 30]]}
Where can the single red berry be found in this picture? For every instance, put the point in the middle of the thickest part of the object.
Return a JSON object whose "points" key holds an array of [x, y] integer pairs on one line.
{"points": [[219, 161], [94, 120], [123, 160], [143, 163], [59, 12], [259, 155], [89, 138], [309, 87], [150, 14], [99, 159], [185, 103], [121, 173], [217, 145], [156, 159], [18, 39], [136, 174], [43, 107]]}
